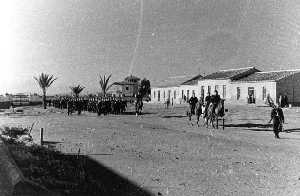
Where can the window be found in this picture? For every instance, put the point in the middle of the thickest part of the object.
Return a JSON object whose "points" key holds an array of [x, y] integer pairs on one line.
{"points": [[238, 93], [164, 94], [158, 95], [169, 94], [264, 92], [208, 89], [182, 94], [174, 94], [224, 91], [188, 94], [202, 91], [127, 88], [154, 94]]}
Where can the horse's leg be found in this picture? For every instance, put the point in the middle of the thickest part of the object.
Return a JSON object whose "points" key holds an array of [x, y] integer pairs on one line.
{"points": [[206, 121], [190, 119], [212, 121]]}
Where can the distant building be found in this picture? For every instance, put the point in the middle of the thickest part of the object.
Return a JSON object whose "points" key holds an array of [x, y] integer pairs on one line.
{"points": [[222, 82], [261, 84], [126, 88], [237, 86], [178, 90], [20, 99]]}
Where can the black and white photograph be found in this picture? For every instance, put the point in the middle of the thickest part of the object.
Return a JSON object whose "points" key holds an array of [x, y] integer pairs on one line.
{"points": [[150, 98]]}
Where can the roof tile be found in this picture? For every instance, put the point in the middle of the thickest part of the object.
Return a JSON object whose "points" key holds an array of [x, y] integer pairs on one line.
{"points": [[266, 76]]}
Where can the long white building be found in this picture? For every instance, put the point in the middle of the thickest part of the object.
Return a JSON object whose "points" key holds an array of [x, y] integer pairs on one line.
{"points": [[237, 86]]}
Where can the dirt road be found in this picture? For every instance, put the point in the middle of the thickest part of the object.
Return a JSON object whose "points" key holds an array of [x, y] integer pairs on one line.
{"points": [[163, 153]]}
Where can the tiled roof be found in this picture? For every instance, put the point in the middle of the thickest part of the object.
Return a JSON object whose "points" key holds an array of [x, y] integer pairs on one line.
{"points": [[193, 81], [230, 73], [272, 75], [124, 83], [172, 81], [131, 77]]}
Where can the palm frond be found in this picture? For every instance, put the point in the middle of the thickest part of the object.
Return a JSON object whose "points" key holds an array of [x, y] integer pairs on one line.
{"points": [[104, 83], [45, 80], [76, 90]]}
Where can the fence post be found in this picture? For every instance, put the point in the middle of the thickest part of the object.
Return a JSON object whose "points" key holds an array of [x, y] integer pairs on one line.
{"points": [[223, 123], [42, 136]]}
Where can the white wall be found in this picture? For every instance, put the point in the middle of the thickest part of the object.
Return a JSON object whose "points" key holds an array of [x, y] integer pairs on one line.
{"points": [[178, 99], [188, 91], [230, 94], [231, 90], [164, 94], [213, 84], [258, 91]]}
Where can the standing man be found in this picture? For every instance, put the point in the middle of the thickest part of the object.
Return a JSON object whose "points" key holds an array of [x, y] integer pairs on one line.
{"points": [[215, 99], [207, 102], [278, 119], [192, 101]]}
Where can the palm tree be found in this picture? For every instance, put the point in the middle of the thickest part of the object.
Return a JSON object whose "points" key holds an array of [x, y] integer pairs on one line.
{"points": [[76, 90], [45, 81], [104, 84]]}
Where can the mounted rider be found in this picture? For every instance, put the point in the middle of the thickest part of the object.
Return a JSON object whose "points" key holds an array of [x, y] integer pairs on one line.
{"points": [[215, 100], [193, 101], [207, 102]]}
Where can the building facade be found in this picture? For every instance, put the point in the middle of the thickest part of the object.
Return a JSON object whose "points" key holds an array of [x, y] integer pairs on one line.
{"points": [[177, 93], [127, 88], [238, 86]]}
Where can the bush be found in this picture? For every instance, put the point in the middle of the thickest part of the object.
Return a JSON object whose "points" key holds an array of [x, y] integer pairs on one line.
{"points": [[14, 135]]}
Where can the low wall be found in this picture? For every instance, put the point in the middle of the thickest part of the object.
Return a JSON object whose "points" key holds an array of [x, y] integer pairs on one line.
{"points": [[7, 104]]}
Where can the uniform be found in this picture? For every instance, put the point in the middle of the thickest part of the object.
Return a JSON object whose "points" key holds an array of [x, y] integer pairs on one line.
{"points": [[278, 118]]}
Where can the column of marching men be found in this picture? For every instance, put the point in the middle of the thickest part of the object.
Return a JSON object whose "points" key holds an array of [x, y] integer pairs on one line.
{"points": [[99, 105]]}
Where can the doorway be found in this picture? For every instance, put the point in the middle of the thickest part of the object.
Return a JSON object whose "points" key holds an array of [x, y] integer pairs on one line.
{"points": [[251, 95]]}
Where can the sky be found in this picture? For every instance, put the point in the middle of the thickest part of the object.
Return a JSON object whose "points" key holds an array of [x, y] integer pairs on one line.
{"points": [[78, 40]]}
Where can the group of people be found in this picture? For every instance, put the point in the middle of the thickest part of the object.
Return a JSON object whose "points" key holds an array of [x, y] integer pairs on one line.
{"points": [[99, 105], [196, 104]]}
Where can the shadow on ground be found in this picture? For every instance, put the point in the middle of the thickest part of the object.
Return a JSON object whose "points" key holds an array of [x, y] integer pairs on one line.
{"points": [[133, 113], [72, 174], [174, 116], [250, 125], [285, 130], [292, 130], [107, 181]]}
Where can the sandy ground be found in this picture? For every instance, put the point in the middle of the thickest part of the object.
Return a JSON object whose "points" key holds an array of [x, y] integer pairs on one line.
{"points": [[163, 153]]}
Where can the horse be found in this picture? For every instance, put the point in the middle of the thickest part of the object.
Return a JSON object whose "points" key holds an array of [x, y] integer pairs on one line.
{"points": [[212, 116], [138, 107], [198, 111]]}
